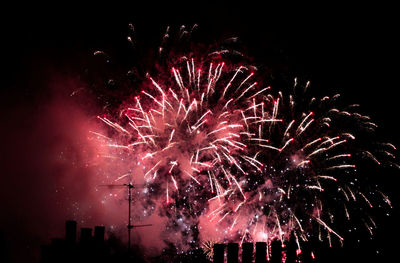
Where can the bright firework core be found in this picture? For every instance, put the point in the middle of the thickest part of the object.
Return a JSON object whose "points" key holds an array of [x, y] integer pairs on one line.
{"points": [[222, 158]]}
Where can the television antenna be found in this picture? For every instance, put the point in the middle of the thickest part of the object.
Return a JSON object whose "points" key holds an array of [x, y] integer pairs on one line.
{"points": [[129, 187]]}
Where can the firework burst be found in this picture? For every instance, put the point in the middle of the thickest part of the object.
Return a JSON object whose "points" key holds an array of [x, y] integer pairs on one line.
{"points": [[216, 149], [311, 177], [187, 134], [208, 248]]}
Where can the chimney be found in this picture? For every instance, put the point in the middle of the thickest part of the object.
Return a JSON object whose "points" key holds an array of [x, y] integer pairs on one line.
{"points": [[218, 253], [233, 252], [70, 231], [291, 247], [276, 251], [247, 253], [261, 252]]}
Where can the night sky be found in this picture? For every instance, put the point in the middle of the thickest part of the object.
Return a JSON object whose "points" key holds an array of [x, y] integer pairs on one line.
{"points": [[352, 50]]}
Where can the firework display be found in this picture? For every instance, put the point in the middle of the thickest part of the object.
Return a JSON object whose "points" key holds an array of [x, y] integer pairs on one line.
{"points": [[310, 154], [217, 149]]}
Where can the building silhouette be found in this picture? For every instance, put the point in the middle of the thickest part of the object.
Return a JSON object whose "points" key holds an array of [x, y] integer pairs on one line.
{"points": [[91, 246], [277, 252]]}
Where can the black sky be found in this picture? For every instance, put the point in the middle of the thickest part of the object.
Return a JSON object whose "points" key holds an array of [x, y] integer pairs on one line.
{"points": [[345, 48], [352, 50]]}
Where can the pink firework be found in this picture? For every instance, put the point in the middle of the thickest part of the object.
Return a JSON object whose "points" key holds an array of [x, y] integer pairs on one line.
{"points": [[314, 153], [188, 131], [222, 155]]}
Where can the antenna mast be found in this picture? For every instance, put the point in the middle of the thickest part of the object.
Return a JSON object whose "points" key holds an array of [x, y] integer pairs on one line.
{"points": [[130, 186], [130, 226]]}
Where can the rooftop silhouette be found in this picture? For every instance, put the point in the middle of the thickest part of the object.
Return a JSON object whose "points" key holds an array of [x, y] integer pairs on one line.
{"points": [[91, 245]]}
